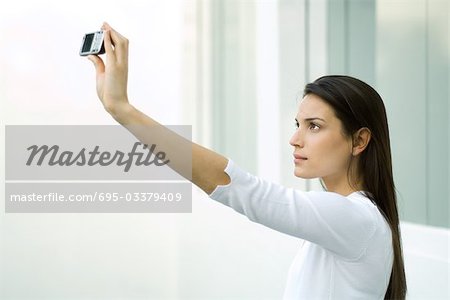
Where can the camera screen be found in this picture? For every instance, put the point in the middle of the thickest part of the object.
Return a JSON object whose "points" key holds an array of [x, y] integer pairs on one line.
{"points": [[88, 42]]}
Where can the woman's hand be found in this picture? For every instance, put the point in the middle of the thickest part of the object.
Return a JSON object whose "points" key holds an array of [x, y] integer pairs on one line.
{"points": [[112, 76]]}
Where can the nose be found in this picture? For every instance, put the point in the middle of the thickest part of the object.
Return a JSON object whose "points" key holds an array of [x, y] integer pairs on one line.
{"points": [[296, 139]]}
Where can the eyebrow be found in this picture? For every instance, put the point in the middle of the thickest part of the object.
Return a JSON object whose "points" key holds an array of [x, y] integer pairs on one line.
{"points": [[312, 119]]}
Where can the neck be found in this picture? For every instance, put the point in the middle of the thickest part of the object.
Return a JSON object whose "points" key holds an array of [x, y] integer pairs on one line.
{"points": [[343, 189], [343, 184]]}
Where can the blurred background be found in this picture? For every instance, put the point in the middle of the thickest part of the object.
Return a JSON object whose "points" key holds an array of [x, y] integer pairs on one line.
{"points": [[235, 71]]}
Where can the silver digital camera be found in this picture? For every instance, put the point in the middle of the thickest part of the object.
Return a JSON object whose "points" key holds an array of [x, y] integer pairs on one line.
{"points": [[92, 44]]}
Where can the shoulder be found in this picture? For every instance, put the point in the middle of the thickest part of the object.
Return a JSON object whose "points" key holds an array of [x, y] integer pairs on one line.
{"points": [[351, 223]]}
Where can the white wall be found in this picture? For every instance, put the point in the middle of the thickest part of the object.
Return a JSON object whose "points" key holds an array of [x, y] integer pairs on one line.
{"points": [[427, 261]]}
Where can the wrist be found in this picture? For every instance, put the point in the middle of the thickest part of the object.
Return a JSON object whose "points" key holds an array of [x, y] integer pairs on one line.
{"points": [[120, 112]]}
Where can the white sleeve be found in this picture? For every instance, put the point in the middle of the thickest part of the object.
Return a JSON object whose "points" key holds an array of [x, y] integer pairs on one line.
{"points": [[343, 225]]}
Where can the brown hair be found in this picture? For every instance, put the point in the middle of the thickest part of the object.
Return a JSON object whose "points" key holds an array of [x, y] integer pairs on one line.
{"points": [[358, 105]]}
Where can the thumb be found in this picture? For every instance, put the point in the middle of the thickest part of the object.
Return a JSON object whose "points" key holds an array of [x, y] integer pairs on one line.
{"points": [[98, 63]]}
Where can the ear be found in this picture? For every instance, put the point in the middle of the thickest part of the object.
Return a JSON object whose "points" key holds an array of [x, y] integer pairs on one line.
{"points": [[361, 139]]}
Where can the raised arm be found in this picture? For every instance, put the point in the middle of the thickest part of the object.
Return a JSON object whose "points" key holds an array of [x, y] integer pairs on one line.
{"points": [[111, 76]]}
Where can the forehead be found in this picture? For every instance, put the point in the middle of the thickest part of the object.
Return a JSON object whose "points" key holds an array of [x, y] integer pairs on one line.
{"points": [[313, 106]]}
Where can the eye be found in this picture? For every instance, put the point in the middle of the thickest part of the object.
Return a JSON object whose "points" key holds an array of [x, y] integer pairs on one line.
{"points": [[296, 124], [314, 126]]}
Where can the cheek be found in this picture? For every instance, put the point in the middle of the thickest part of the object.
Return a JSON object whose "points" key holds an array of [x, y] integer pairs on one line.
{"points": [[332, 151], [341, 151]]}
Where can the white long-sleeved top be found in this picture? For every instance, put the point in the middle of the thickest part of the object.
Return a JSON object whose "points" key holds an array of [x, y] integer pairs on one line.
{"points": [[347, 252]]}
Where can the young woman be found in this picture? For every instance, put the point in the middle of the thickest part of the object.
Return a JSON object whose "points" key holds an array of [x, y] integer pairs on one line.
{"points": [[352, 248]]}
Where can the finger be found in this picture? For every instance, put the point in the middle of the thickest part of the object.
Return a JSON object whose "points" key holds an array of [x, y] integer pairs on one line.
{"points": [[115, 33], [108, 44], [119, 41], [98, 64], [106, 26]]}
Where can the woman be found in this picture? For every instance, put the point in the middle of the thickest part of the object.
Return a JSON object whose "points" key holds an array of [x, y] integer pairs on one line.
{"points": [[352, 248]]}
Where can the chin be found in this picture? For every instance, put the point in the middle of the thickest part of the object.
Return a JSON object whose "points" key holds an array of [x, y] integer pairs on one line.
{"points": [[303, 175]]}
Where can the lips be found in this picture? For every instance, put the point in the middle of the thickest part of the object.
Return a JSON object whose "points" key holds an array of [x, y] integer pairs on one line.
{"points": [[298, 156]]}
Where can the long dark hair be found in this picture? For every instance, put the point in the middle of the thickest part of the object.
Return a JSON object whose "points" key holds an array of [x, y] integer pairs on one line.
{"points": [[358, 105]]}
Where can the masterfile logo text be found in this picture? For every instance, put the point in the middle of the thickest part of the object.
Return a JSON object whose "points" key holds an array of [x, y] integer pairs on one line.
{"points": [[94, 169]]}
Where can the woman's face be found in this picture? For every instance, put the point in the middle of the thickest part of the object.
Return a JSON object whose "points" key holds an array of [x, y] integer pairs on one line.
{"points": [[320, 148]]}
